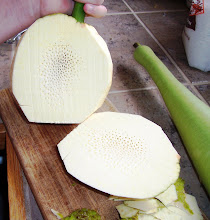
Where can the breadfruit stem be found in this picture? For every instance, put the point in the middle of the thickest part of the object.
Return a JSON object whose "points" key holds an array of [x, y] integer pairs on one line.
{"points": [[78, 12]]}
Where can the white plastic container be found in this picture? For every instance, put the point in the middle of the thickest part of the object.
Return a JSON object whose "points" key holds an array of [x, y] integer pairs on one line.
{"points": [[196, 35]]}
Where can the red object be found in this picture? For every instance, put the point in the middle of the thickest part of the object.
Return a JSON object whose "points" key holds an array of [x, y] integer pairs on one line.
{"points": [[197, 7]]}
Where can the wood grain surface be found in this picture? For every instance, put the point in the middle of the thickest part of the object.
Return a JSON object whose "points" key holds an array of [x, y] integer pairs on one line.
{"points": [[2, 136], [36, 149], [15, 186]]}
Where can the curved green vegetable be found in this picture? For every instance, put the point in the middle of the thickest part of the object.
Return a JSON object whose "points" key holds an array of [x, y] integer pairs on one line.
{"points": [[78, 12], [190, 115]]}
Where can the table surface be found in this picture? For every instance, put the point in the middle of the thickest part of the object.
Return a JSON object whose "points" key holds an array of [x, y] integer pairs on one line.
{"points": [[158, 25], [36, 149]]}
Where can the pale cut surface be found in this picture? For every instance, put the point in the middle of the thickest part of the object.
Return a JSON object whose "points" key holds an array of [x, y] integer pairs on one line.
{"points": [[166, 214], [169, 196], [184, 215], [62, 71], [125, 211], [180, 209], [121, 154], [166, 197], [146, 217], [191, 200], [145, 205]]}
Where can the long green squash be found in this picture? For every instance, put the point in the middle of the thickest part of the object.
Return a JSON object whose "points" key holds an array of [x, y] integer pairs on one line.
{"points": [[190, 115]]}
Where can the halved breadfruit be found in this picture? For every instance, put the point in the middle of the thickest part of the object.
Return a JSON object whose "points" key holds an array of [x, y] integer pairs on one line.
{"points": [[121, 154], [62, 70]]}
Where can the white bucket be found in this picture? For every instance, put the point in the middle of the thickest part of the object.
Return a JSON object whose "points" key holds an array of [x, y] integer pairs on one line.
{"points": [[196, 35]]}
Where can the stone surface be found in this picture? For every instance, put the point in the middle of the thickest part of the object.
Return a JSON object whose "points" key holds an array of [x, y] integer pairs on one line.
{"points": [[155, 5], [168, 28]]}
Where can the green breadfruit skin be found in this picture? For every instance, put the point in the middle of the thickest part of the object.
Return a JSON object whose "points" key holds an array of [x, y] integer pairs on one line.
{"points": [[179, 184], [83, 214]]}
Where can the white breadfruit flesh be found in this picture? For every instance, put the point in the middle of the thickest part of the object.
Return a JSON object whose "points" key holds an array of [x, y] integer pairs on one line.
{"points": [[178, 207], [126, 212], [145, 205], [167, 214], [191, 200], [168, 196], [184, 215], [62, 70], [145, 217], [121, 154], [117, 198]]}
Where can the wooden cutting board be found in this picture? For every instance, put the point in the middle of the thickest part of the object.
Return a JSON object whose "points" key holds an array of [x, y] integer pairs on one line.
{"points": [[36, 149]]}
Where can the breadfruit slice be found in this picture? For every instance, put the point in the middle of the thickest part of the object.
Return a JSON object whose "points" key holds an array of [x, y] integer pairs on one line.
{"points": [[191, 200], [145, 217], [145, 205], [126, 212], [167, 214], [121, 154], [173, 213], [168, 196], [62, 70]]}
